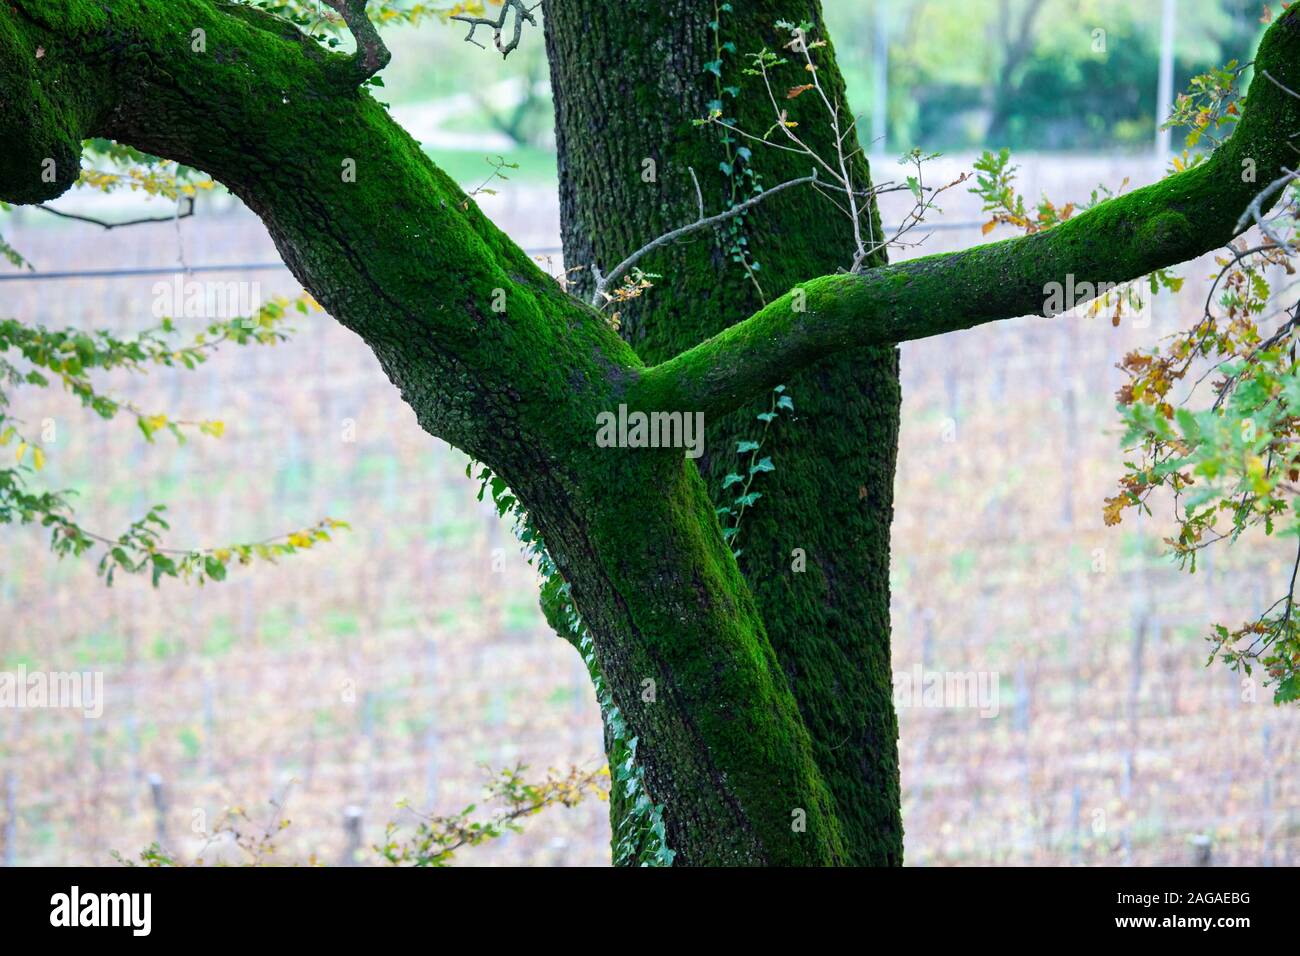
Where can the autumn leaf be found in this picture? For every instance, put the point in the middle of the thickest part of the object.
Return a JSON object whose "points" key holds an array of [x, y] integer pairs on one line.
{"points": [[1112, 513]]}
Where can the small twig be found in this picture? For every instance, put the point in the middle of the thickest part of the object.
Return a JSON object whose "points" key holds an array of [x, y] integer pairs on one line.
{"points": [[603, 280], [522, 13], [1255, 210], [189, 211], [1281, 86], [699, 196], [1290, 594]]}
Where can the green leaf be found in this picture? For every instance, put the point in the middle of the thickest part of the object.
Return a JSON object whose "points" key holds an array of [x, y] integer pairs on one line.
{"points": [[1287, 691], [214, 568]]}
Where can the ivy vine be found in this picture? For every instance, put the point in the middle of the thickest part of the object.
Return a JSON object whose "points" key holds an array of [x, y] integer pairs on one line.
{"points": [[639, 835], [743, 181], [750, 467]]}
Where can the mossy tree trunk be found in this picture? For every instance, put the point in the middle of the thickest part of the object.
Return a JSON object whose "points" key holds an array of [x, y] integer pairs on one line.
{"points": [[493, 357], [628, 81]]}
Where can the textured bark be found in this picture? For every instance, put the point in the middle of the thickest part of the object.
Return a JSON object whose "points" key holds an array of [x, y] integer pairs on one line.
{"points": [[495, 359], [628, 80]]}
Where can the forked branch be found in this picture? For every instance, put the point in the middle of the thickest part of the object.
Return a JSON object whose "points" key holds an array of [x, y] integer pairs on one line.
{"points": [[498, 25]]}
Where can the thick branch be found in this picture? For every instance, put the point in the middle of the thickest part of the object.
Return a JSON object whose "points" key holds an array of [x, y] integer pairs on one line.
{"points": [[372, 55], [1172, 221], [382, 238]]}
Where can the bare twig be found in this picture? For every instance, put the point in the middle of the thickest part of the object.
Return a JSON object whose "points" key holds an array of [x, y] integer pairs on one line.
{"points": [[699, 196], [1254, 212], [189, 211], [1290, 593], [603, 280], [522, 13], [1281, 86], [838, 186]]}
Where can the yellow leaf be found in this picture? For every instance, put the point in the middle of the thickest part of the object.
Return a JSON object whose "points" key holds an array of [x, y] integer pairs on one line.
{"points": [[988, 227], [38, 458], [22, 450]]}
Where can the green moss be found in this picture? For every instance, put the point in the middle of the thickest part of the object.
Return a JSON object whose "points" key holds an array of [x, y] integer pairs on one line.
{"points": [[824, 631]]}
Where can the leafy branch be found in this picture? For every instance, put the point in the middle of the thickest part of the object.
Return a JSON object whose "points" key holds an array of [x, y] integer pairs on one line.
{"points": [[1233, 463], [437, 839], [69, 356]]}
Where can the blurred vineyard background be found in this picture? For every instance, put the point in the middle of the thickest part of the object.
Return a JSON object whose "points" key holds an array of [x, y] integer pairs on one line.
{"points": [[404, 657]]}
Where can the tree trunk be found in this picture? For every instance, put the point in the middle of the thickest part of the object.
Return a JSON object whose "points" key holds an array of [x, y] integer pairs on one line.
{"points": [[628, 80]]}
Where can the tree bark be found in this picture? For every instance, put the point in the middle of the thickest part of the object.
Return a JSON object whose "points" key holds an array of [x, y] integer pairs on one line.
{"points": [[628, 80]]}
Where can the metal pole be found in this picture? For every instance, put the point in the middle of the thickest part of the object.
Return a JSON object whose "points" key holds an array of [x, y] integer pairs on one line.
{"points": [[880, 80]]}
